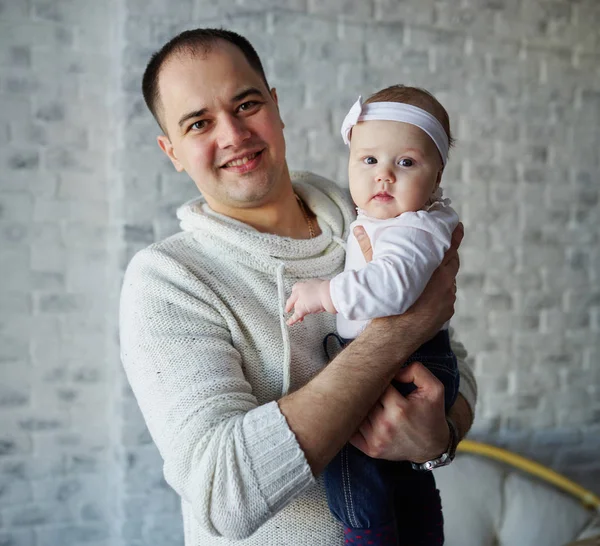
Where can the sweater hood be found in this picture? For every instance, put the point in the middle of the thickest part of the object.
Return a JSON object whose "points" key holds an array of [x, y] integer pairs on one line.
{"points": [[267, 252], [279, 256]]}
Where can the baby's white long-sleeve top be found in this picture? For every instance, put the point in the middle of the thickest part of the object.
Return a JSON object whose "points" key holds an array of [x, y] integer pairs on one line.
{"points": [[407, 250]]}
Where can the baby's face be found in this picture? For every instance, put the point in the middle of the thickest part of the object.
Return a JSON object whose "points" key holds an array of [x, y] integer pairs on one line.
{"points": [[394, 167]]}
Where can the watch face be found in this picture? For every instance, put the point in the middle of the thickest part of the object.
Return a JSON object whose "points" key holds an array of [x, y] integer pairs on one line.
{"points": [[443, 460]]}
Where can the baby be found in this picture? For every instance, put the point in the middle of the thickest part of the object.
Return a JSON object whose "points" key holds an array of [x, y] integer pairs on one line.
{"points": [[399, 141]]}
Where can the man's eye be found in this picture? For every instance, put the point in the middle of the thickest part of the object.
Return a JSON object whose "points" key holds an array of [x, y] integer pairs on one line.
{"points": [[247, 105], [370, 160], [199, 125], [406, 162]]}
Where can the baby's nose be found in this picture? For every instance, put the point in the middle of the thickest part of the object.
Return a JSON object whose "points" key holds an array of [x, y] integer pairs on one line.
{"points": [[386, 175]]}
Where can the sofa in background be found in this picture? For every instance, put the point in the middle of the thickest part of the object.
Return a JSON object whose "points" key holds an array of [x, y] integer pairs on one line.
{"points": [[488, 503]]}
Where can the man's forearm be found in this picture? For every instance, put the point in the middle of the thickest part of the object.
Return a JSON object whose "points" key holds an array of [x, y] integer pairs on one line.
{"points": [[327, 411]]}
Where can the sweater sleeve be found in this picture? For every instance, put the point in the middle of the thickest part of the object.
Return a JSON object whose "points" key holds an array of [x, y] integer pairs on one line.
{"points": [[467, 385], [406, 252], [235, 462]]}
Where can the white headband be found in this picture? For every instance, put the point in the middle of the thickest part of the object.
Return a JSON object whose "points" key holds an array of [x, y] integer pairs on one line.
{"points": [[397, 111]]}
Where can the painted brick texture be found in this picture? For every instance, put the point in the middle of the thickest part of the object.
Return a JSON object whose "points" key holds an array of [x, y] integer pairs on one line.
{"points": [[57, 458], [83, 186]]}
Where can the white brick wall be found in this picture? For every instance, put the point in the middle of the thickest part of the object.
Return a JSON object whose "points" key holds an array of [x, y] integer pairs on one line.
{"points": [[521, 80], [57, 457]]}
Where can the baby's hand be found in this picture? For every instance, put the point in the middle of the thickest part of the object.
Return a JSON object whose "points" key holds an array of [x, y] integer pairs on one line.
{"points": [[307, 298]]}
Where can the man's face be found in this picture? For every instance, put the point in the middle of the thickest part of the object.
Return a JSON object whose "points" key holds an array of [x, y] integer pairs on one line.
{"points": [[224, 127], [393, 168]]}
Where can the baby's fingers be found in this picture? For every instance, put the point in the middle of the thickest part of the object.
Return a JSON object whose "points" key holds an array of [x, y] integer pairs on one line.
{"points": [[289, 304], [294, 318]]}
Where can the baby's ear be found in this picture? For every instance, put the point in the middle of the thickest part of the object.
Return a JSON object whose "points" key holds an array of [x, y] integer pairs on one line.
{"points": [[438, 180]]}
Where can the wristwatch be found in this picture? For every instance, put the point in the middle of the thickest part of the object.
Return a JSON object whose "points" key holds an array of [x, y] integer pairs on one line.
{"points": [[445, 458]]}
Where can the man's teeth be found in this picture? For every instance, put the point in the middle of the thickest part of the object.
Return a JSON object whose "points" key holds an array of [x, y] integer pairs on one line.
{"points": [[243, 161]]}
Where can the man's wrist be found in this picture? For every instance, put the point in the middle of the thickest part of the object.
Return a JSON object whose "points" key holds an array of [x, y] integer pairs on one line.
{"points": [[461, 415], [446, 456], [441, 445]]}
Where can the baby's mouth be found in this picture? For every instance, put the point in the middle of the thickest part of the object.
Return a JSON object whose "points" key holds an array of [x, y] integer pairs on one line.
{"points": [[383, 195]]}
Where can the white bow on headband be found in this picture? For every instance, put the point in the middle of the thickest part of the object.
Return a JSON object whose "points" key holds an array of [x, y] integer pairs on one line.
{"points": [[397, 111]]}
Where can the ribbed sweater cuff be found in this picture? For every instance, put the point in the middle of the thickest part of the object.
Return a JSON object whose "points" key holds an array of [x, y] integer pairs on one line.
{"points": [[468, 385], [278, 462], [468, 389]]}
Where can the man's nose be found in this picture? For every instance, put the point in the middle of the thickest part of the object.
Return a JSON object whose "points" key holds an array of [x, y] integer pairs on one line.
{"points": [[385, 174], [232, 131]]}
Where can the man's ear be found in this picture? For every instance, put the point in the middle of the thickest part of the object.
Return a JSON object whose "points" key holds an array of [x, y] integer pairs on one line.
{"points": [[276, 100], [167, 147], [274, 96]]}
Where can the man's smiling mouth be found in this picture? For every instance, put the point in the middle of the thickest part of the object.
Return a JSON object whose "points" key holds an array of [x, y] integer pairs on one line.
{"points": [[241, 160]]}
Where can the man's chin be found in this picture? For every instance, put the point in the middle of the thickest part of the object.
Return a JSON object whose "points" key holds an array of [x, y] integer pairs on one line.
{"points": [[252, 191]]}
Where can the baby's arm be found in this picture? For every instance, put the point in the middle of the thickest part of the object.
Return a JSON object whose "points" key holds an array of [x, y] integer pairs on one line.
{"points": [[309, 297], [406, 253]]}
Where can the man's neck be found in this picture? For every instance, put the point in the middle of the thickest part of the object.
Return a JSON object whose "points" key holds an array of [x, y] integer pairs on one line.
{"points": [[281, 216]]}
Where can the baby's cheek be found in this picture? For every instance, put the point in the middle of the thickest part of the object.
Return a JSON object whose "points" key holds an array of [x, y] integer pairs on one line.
{"points": [[359, 195]]}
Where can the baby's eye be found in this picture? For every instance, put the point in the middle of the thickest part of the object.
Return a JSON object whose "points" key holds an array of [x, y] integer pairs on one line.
{"points": [[406, 162], [370, 160]]}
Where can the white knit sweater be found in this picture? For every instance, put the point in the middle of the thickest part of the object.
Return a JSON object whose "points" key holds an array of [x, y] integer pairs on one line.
{"points": [[207, 353]]}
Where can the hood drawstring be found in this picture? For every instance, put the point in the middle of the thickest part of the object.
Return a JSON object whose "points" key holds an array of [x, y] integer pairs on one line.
{"points": [[271, 254], [339, 241], [285, 335], [284, 331]]}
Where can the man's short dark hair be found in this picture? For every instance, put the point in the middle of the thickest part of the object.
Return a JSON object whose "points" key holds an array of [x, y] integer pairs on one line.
{"points": [[192, 42]]}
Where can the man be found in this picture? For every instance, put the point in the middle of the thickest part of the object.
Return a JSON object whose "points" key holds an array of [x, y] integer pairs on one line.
{"points": [[244, 410]]}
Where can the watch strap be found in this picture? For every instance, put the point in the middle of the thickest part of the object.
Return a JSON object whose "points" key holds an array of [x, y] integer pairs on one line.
{"points": [[445, 458], [454, 438]]}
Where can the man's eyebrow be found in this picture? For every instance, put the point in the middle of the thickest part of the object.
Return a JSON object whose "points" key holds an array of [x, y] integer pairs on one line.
{"points": [[245, 93], [189, 115], [240, 96]]}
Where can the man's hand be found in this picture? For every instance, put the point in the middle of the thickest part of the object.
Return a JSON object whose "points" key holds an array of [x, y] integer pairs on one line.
{"points": [[435, 305], [363, 242], [411, 428]]}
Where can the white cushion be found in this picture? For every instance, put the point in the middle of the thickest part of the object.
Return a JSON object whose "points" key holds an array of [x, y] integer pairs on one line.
{"points": [[487, 503]]}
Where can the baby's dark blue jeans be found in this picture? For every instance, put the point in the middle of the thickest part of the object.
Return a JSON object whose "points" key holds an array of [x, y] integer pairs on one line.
{"points": [[378, 501]]}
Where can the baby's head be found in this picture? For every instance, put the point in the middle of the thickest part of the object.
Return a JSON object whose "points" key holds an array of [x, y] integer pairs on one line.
{"points": [[396, 166]]}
